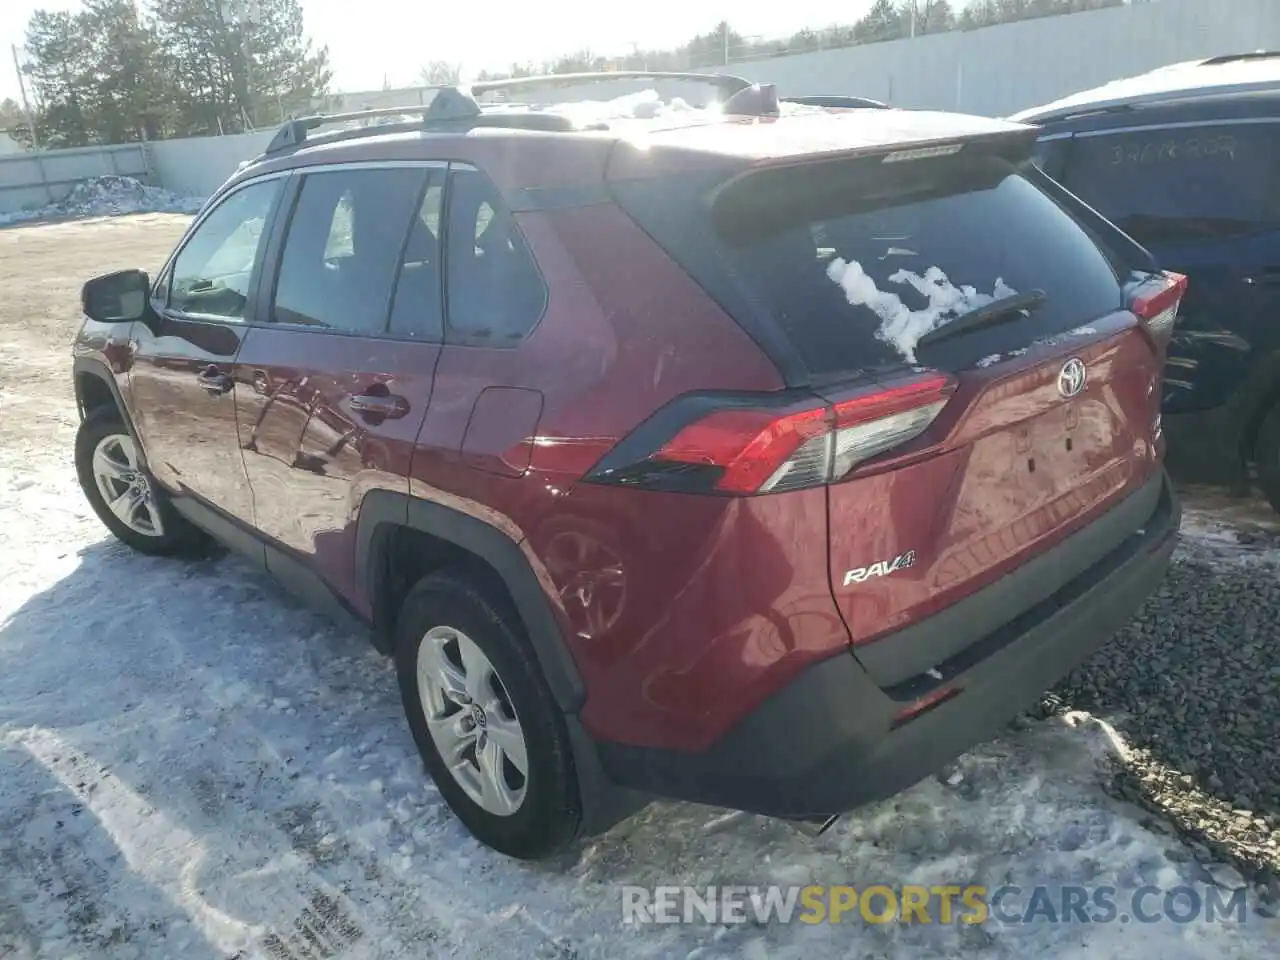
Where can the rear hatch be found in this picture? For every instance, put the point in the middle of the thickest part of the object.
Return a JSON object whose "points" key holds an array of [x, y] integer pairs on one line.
{"points": [[957, 454]]}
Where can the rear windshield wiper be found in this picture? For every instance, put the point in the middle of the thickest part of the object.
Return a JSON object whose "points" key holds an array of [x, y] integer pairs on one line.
{"points": [[997, 311]]}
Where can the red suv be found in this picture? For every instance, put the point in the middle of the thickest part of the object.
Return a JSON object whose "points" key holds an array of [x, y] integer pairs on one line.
{"points": [[767, 458]]}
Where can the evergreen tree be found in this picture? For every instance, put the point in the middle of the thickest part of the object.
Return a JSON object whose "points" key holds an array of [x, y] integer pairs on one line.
{"points": [[60, 73], [882, 22], [126, 98], [235, 63]]}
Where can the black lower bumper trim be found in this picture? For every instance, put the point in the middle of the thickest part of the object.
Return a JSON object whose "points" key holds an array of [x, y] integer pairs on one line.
{"points": [[827, 742]]}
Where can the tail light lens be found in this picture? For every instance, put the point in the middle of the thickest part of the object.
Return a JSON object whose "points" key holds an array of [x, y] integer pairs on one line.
{"points": [[1156, 301], [741, 449]]}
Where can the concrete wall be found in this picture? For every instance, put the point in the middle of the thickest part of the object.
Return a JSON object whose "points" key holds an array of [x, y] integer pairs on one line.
{"points": [[1003, 69], [1000, 70], [198, 165], [38, 178]]}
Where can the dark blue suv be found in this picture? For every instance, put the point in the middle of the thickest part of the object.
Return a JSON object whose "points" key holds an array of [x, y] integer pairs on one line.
{"points": [[1186, 159]]}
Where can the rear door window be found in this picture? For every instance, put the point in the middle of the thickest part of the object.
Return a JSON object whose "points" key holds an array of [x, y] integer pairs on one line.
{"points": [[343, 248], [1171, 185], [416, 310], [857, 260]]}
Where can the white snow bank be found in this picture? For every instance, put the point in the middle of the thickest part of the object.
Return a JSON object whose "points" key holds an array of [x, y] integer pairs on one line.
{"points": [[108, 196], [900, 326]]}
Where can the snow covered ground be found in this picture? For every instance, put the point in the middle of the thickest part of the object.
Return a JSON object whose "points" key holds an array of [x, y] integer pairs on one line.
{"points": [[193, 766], [107, 196]]}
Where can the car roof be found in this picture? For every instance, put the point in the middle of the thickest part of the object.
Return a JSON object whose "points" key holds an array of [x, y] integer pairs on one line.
{"points": [[1224, 76], [800, 132]]}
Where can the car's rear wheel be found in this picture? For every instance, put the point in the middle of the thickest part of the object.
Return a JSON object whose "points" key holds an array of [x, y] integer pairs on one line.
{"points": [[124, 495], [484, 719]]}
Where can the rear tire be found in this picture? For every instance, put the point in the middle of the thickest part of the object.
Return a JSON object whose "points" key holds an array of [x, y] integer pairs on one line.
{"points": [[110, 471], [473, 691], [1266, 456]]}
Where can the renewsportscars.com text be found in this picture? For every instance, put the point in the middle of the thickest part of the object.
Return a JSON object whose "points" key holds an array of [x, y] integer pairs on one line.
{"points": [[943, 904]]}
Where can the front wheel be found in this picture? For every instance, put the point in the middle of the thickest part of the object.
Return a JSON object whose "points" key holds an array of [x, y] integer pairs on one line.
{"points": [[123, 494], [484, 719]]}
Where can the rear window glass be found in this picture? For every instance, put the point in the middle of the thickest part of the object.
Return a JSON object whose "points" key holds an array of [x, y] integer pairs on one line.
{"points": [[1181, 184], [856, 261]]}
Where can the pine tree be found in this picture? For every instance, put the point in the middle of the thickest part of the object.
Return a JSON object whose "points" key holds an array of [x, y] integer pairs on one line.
{"points": [[12, 120], [126, 98], [882, 22], [236, 63], [59, 67]]}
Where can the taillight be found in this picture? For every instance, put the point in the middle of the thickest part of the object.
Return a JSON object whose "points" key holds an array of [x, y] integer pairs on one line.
{"points": [[1156, 301], [739, 448]]}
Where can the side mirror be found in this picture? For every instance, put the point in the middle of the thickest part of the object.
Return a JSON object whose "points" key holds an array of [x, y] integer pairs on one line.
{"points": [[120, 297]]}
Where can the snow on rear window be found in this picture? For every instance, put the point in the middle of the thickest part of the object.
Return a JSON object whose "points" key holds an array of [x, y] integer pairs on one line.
{"points": [[856, 263], [900, 326]]}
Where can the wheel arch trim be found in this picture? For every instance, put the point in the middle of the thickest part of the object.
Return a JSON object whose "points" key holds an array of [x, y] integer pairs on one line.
{"points": [[382, 511], [92, 367]]}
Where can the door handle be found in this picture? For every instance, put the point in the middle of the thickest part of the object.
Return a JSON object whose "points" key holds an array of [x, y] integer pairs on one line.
{"points": [[213, 381], [379, 406]]}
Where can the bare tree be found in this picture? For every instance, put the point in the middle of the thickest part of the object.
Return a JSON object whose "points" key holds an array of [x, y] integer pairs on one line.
{"points": [[440, 72]]}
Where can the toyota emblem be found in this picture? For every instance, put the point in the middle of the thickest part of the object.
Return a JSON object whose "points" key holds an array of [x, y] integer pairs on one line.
{"points": [[1071, 377]]}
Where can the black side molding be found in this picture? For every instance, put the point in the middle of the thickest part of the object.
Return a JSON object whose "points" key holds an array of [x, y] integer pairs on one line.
{"points": [[382, 511]]}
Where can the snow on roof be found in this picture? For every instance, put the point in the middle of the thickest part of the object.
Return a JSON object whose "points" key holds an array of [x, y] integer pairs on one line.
{"points": [[1192, 76], [811, 130]]}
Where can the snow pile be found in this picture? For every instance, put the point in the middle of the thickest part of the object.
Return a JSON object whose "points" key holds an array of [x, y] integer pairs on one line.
{"points": [[109, 196], [900, 326], [643, 105]]}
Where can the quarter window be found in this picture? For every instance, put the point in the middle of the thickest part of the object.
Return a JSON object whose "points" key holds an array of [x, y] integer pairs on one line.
{"points": [[494, 289]]}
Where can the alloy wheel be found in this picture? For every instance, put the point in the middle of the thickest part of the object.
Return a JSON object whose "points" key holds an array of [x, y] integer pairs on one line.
{"points": [[471, 720], [124, 486]]}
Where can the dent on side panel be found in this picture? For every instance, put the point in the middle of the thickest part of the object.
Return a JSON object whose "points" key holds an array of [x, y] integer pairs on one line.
{"points": [[685, 612]]}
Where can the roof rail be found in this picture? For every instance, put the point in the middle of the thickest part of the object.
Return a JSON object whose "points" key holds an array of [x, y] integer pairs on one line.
{"points": [[726, 83], [456, 104], [837, 101], [1139, 98], [450, 103], [1238, 57]]}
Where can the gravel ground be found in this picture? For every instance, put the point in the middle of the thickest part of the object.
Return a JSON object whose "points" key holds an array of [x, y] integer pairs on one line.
{"points": [[1191, 687]]}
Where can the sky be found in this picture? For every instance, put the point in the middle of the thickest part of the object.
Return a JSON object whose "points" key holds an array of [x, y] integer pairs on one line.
{"points": [[375, 40]]}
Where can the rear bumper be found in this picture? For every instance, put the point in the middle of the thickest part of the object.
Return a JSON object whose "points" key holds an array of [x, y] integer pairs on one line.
{"points": [[828, 742]]}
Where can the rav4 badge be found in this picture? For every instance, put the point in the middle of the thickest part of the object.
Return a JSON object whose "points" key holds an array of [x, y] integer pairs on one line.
{"points": [[881, 568]]}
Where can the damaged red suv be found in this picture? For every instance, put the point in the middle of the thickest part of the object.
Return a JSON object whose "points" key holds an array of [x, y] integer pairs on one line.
{"points": [[765, 456]]}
